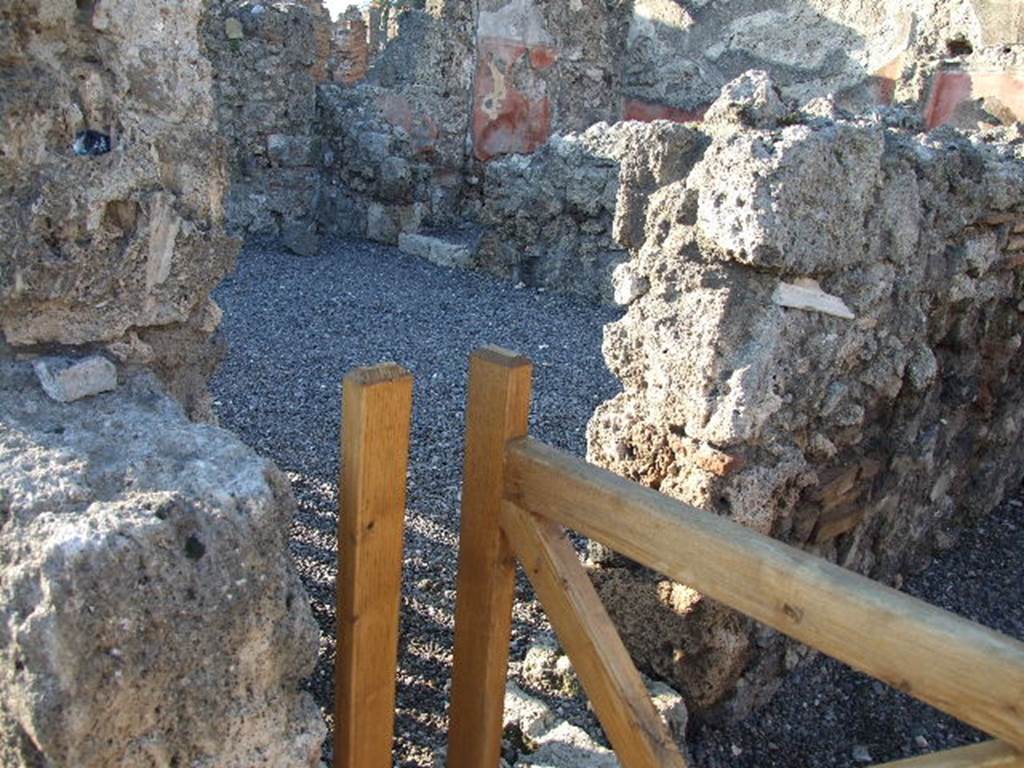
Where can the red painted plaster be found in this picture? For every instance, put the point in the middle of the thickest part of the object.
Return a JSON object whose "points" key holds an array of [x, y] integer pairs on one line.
{"points": [[506, 119], [646, 112]]}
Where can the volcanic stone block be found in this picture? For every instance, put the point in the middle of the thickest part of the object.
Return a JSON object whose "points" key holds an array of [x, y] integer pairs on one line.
{"points": [[69, 380], [828, 352], [150, 613]]}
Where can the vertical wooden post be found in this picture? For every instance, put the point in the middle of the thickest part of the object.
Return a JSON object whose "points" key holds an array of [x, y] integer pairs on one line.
{"points": [[499, 408], [376, 415]]}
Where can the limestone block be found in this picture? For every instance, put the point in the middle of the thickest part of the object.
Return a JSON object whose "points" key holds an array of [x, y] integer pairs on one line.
{"points": [[385, 223], [809, 296], [569, 746], [751, 99], [628, 285], [544, 741], [672, 707], [68, 380], [150, 611], [438, 250], [752, 389], [530, 717]]}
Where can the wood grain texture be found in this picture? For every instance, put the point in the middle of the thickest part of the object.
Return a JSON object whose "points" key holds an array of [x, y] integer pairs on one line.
{"points": [[376, 414], [498, 410], [989, 754], [617, 693], [964, 669]]}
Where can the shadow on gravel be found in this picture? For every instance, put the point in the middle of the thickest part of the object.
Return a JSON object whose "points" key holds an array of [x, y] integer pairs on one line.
{"points": [[296, 325]]}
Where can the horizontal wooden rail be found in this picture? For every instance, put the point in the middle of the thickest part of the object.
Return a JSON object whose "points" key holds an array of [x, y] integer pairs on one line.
{"points": [[966, 670], [990, 754]]}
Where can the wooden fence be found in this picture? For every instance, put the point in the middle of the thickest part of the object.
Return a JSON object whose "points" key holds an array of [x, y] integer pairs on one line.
{"points": [[519, 497]]}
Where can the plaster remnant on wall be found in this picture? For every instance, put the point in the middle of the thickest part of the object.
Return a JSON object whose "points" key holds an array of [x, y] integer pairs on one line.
{"points": [[512, 109], [518, 20], [164, 224], [806, 294]]}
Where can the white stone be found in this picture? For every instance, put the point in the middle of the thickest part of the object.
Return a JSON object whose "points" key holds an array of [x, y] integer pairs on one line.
{"points": [[807, 295], [569, 746], [69, 380], [233, 29], [444, 253], [672, 708], [531, 716], [627, 285]]}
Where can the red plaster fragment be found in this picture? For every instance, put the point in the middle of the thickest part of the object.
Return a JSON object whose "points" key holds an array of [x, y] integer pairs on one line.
{"points": [[646, 112], [542, 57], [506, 119]]}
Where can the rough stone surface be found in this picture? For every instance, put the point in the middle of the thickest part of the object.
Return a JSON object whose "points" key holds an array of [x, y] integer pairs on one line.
{"points": [[350, 59], [956, 61], [534, 736], [265, 90], [107, 248], [443, 251], [150, 611], [564, 216], [68, 380], [385, 168], [856, 438]]}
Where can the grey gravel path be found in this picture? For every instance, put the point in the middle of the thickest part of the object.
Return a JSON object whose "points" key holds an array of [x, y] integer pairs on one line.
{"points": [[295, 325], [825, 714]]}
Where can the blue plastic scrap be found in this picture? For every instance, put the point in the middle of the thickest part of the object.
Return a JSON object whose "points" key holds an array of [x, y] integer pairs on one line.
{"points": [[91, 143]]}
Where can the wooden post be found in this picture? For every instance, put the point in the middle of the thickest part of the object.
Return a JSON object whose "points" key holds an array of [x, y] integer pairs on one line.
{"points": [[498, 411], [376, 415]]}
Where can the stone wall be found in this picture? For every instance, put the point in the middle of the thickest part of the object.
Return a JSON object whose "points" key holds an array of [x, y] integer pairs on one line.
{"points": [[150, 611], [824, 344], [118, 247], [396, 142], [267, 60], [383, 173], [958, 61], [461, 83], [564, 217]]}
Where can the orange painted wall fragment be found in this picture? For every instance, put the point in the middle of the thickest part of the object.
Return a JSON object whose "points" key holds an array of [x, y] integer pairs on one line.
{"points": [[1002, 94], [646, 112], [511, 108]]}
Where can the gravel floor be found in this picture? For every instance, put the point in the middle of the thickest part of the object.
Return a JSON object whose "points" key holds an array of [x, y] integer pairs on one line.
{"points": [[295, 325]]}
